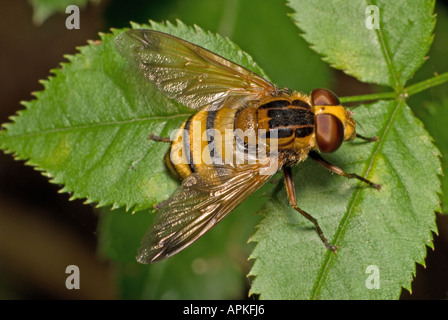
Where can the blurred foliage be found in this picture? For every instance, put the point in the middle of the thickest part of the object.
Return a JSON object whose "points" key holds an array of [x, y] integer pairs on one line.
{"points": [[43, 9]]}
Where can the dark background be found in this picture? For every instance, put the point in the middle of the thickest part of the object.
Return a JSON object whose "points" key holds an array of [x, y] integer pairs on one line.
{"points": [[41, 231]]}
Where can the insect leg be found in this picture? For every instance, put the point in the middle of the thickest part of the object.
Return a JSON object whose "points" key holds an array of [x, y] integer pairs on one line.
{"points": [[290, 190], [316, 157], [157, 138], [375, 138]]}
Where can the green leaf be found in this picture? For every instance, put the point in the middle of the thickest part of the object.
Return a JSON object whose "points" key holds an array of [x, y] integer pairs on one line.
{"points": [[389, 55], [431, 106], [434, 114], [389, 229], [88, 130]]}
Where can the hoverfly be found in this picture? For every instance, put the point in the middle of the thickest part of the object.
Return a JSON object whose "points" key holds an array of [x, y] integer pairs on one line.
{"points": [[220, 171]]}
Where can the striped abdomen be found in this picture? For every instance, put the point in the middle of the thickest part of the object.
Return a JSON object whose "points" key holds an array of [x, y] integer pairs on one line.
{"points": [[200, 144]]}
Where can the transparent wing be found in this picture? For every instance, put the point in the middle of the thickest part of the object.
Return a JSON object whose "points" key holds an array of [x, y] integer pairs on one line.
{"points": [[188, 73], [195, 207]]}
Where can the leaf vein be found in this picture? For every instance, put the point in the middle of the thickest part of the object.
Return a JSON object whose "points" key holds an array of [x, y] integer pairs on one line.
{"points": [[94, 125], [326, 264], [387, 57]]}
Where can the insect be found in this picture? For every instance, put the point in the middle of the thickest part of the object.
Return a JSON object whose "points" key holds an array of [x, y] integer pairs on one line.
{"points": [[245, 130]]}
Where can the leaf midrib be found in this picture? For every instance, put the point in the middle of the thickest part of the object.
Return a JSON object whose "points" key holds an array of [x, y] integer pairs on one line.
{"points": [[326, 264], [89, 126], [324, 270], [387, 55]]}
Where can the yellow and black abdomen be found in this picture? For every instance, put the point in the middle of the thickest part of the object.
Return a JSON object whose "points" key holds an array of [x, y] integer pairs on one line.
{"points": [[199, 145]]}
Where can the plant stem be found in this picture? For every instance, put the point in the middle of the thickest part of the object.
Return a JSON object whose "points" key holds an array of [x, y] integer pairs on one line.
{"points": [[367, 97], [407, 92], [426, 84]]}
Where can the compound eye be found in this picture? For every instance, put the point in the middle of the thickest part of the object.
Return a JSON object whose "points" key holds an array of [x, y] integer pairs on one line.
{"points": [[329, 132], [324, 97]]}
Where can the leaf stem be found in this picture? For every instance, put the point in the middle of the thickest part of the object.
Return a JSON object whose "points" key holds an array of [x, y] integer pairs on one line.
{"points": [[426, 84], [407, 92], [367, 97]]}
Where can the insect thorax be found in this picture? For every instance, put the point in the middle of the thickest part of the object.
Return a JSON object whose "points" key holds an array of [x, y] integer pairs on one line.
{"points": [[289, 121]]}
